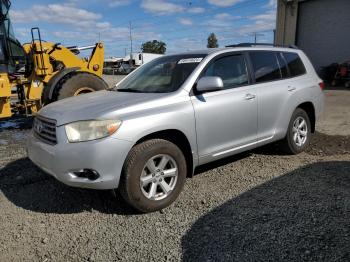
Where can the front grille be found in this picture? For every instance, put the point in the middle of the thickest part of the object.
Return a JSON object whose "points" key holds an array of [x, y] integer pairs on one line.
{"points": [[45, 129]]}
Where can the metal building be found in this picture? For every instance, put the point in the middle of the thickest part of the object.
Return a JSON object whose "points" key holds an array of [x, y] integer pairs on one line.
{"points": [[319, 27]]}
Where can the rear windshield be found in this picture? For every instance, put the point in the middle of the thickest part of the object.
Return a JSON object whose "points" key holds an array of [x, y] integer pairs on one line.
{"points": [[162, 75]]}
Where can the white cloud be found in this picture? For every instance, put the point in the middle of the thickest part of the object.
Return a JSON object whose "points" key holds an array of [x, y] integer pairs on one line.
{"points": [[219, 21], [77, 25], [186, 44], [272, 4], [261, 22], [161, 7], [267, 16], [185, 21], [222, 16], [56, 13], [223, 3], [116, 3], [226, 16], [196, 10], [103, 25]]}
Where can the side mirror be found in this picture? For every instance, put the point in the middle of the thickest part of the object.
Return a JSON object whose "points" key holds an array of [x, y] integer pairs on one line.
{"points": [[209, 84]]}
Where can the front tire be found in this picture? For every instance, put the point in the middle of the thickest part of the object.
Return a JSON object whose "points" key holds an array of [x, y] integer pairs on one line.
{"points": [[153, 176], [298, 134]]}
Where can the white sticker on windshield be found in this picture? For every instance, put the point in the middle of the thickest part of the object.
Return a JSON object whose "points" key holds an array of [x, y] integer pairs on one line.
{"points": [[190, 60]]}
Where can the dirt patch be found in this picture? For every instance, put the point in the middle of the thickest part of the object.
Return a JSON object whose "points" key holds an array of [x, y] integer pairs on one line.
{"points": [[323, 144]]}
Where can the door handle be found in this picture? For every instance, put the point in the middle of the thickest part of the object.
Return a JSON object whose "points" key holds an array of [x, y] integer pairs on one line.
{"points": [[249, 96], [291, 88]]}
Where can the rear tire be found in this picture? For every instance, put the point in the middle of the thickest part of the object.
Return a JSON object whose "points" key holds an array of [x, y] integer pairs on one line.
{"points": [[298, 134], [78, 83], [143, 169]]}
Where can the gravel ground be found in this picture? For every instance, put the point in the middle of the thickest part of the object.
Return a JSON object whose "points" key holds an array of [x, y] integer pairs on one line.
{"points": [[256, 206]]}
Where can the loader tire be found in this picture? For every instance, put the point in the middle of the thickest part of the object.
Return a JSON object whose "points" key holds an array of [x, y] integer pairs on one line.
{"points": [[79, 83]]}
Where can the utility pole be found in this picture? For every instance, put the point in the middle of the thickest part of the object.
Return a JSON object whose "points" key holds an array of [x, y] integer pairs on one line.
{"points": [[130, 61]]}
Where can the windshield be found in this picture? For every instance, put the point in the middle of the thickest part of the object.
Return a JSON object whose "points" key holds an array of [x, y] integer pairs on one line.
{"points": [[162, 75], [6, 25], [5, 6]]}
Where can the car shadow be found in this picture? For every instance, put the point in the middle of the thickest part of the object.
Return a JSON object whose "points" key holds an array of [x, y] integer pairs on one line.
{"points": [[303, 215], [28, 187]]}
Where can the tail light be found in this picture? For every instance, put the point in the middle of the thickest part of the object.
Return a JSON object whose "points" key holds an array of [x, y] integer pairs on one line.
{"points": [[322, 85]]}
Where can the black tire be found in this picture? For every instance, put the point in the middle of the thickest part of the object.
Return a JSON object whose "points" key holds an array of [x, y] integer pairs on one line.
{"points": [[288, 145], [129, 186], [347, 84], [70, 84]]}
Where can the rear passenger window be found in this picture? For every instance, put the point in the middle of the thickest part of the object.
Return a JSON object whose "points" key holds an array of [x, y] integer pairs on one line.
{"points": [[231, 69], [265, 65], [296, 66]]}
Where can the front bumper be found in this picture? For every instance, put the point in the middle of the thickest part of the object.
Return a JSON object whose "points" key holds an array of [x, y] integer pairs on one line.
{"points": [[106, 156]]}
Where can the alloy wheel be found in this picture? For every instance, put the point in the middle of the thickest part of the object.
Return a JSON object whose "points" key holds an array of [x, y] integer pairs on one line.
{"points": [[159, 177], [300, 131]]}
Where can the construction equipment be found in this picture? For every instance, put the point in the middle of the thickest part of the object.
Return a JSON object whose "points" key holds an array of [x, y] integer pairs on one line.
{"points": [[342, 75], [41, 72]]}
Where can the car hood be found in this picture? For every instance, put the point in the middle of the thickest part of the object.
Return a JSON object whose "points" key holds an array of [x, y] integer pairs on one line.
{"points": [[94, 105]]}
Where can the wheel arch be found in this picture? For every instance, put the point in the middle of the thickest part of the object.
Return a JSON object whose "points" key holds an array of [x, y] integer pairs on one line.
{"points": [[309, 108], [178, 138]]}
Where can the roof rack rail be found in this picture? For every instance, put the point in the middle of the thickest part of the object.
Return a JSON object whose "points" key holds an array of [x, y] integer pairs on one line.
{"points": [[260, 44]]}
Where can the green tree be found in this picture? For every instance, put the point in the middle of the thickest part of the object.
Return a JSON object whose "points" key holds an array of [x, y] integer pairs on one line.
{"points": [[212, 41], [155, 47]]}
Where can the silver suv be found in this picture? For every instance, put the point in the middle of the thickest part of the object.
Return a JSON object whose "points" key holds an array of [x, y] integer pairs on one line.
{"points": [[176, 113]]}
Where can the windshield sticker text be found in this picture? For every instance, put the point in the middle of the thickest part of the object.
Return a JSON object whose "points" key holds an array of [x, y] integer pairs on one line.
{"points": [[190, 60]]}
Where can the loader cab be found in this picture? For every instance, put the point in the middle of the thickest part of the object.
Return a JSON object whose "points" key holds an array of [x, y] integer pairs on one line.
{"points": [[12, 55]]}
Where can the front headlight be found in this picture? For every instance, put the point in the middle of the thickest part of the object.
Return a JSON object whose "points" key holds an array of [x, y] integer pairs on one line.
{"points": [[90, 130]]}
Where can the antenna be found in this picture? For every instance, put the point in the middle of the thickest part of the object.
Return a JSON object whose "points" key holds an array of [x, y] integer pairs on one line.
{"points": [[256, 34]]}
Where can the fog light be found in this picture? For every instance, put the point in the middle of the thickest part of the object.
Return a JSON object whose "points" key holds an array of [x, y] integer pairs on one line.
{"points": [[87, 173]]}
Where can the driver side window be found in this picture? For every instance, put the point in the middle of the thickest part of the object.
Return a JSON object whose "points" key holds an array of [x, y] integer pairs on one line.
{"points": [[232, 70]]}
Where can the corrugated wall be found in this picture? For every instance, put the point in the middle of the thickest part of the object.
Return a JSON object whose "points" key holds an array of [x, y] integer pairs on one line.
{"points": [[323, 31]]}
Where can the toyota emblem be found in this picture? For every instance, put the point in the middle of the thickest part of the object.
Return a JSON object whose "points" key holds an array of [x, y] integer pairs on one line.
{"points": [[38, 126]]}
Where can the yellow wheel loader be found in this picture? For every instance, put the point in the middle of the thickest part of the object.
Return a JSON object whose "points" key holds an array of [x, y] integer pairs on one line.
{"points": [[41, 72]]}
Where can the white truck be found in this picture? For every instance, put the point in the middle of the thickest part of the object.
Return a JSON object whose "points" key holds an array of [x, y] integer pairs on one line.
{"points": [[116, 65], [141, 58]]}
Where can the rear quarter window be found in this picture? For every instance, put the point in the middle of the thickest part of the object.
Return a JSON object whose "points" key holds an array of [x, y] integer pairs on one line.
{"points": [[295, 64]]}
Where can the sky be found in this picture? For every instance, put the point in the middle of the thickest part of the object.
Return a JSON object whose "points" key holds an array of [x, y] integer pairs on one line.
{"points": [[182, 25]]}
